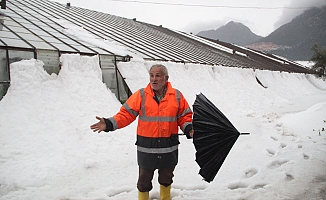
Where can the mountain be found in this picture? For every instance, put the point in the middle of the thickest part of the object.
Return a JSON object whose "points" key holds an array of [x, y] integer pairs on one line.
{"points": [[232, 32], [292, 40], [295, 39]]}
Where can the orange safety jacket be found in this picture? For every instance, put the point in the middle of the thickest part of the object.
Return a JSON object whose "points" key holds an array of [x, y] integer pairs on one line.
{"points": [[157, 130]]}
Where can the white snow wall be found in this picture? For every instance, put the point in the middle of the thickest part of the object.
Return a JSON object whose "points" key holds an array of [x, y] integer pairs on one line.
{"points": [[228, 84]]}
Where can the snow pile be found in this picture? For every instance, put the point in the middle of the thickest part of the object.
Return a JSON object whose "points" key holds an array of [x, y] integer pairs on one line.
{"points": [[46, 144], [47, 150]]}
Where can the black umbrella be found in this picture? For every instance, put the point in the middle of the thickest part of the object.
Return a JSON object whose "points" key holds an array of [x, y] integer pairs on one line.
{"points": [[214, 137]]}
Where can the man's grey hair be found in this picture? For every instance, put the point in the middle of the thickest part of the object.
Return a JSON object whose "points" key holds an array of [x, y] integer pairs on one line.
{"points": [[162, 67]]}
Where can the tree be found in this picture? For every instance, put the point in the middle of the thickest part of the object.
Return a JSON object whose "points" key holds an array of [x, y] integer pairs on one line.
{"points": [[319, 57]]}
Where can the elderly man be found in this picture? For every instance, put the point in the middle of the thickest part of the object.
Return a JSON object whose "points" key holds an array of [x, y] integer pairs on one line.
{"points": [[161, 110]]}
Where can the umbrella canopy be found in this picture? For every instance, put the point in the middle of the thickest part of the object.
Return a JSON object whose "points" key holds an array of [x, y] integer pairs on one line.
{"points": [[214, 137]]}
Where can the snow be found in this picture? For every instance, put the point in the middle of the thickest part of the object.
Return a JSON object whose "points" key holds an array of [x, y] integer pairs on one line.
{"points": [[47, 150], [83, 35], [307, 64]]}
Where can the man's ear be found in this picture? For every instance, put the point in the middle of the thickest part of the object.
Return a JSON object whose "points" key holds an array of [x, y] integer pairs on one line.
{"points": [[167, 78]]}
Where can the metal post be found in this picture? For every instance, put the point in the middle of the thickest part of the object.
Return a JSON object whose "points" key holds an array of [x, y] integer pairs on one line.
{"points": [[3, 4], [116, 76]]}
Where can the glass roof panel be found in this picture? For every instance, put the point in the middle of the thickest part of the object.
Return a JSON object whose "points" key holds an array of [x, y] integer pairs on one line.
{"points": [[63, 47], [22, 13], [47, 28], [41, 45], [29, 17], [69, 41], [29, 36], [44, 13], [7, 34], [9, 22], [15, 43], [57, 34], [9, 12], [20, 19], [100, 51], [30, 26], [30, 12], [19, 29], [83, 49], [39, 23], [50, 39], [2, 44], [54, 26]]}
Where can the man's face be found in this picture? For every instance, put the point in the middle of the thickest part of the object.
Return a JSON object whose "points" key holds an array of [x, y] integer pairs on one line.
{"points": [[157, 79]]}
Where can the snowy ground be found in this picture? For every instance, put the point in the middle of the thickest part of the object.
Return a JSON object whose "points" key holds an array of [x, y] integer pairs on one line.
{"points": [[47, 150]]}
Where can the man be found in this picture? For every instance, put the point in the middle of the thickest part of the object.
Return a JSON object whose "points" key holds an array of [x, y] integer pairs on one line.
{"points": [[161, 109]]}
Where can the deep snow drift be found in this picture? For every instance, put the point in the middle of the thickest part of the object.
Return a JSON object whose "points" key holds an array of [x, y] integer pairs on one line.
{"points": [[47, 150]]}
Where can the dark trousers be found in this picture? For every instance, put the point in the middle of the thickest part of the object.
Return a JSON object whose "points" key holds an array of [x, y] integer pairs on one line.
{"points": [[144, 183]]}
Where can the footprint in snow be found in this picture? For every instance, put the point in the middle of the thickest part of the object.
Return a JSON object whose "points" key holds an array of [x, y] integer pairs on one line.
{"points": [[237, 185], [283, 145], [274, 138], [306, 156], [258, 186], [190, 188], [251, 172], [271, 151], [289, 177], [116, 191], [277, 163]]}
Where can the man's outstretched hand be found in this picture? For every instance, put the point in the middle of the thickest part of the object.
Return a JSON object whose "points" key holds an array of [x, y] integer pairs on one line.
{"points": [[99, 126]]}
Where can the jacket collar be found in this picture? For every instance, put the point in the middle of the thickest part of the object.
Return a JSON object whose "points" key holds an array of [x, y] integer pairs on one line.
{"points": [[150, 91]]}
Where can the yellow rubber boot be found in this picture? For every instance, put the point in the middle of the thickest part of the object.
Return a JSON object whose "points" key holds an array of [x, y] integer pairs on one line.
{"points": [[143, 195], [165, 192]]}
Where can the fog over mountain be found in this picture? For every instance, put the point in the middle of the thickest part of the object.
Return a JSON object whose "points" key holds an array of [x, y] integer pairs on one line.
{"points": [[289, 14], [232, 32], [295, 39]]}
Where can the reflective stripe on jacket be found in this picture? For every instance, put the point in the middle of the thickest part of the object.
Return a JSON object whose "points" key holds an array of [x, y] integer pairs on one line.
{"points": [[157, 130]]}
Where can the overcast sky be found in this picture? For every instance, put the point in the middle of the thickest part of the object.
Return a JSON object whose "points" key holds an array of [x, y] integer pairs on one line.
{"points": [[261, 16]]}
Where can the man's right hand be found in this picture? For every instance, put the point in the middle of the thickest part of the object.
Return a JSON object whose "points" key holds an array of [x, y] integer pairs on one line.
{"points": [[191, 133], [99, 126]]}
